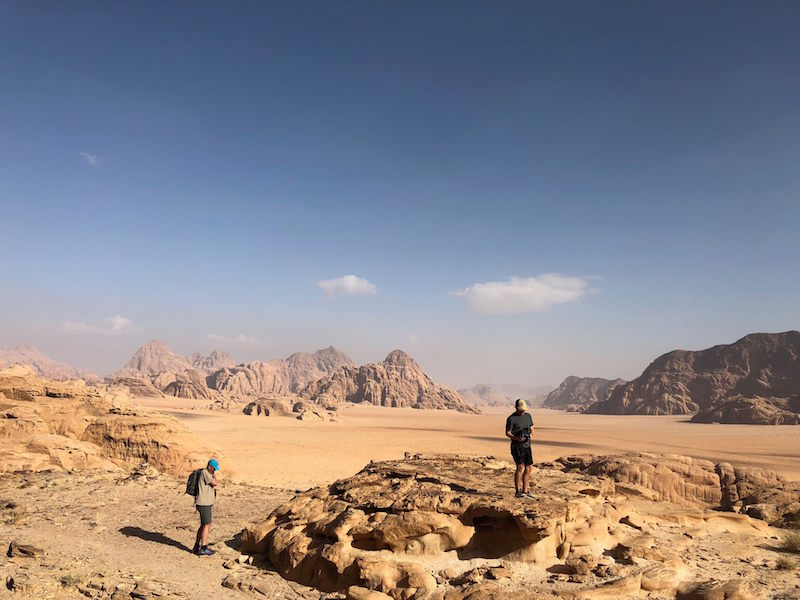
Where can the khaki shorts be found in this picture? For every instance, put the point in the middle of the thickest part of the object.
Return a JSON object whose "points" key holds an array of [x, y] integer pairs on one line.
{"points": [[205, 514]]}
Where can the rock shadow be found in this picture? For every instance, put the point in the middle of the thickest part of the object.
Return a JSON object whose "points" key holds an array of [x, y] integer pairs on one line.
{"points": [[152, 536]]}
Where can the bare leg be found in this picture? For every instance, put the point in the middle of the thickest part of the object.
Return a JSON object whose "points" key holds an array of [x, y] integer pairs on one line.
{"points": [[518, 478], [526, 479]]}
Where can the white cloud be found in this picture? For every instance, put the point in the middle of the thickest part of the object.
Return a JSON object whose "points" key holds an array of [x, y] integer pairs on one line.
{"points": [[239, 338], [349, 285], [523, 294], [116, 325], [91, 159]]}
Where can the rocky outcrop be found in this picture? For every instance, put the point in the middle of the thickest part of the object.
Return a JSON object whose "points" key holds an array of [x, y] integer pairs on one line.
{"points": [[696, 482], [485, 395], [43, 365], [398, 381], [53, 425], [760, 365], [189, 384], [213, 362], [753, 411], [576, 393], [445, 526], [270, 406], [136, 386], [136, 437]]}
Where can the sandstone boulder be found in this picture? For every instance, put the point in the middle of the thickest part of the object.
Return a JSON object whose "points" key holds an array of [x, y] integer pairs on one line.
{"points": [[267, 406]]}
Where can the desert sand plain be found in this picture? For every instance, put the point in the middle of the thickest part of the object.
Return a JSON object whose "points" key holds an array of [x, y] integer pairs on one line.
{"points": [[284, 452]]}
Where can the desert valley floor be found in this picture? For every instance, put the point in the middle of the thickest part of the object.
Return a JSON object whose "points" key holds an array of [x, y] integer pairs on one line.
{"points": [[120, 534], [285, 452]]}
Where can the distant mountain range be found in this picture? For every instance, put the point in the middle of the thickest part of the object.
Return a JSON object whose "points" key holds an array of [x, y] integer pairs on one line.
{"points": [[43, 365], [326, 377], [504, 394], [754, 380]]}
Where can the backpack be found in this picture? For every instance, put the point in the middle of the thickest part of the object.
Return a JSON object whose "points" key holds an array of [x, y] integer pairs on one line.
{"points": [[193, 483]]}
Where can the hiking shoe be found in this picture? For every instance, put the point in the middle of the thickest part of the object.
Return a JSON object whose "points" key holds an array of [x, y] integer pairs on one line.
{"points": [[196, 550], [527, 495], [206, 551], [517, 494]]}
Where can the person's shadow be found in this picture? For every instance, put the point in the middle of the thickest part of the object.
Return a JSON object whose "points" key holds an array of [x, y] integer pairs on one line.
{"points": [[152, 536]]}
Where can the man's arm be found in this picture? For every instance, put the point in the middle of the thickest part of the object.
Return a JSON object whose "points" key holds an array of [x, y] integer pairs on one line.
{"points": [[510, 435]]}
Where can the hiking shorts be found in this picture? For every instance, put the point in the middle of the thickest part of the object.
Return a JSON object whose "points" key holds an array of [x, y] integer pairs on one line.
{"points": [[205, 514], [521, 454]]}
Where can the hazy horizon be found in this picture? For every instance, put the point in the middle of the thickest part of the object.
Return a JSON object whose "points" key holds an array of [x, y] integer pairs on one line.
{"points": [[510, 193]]}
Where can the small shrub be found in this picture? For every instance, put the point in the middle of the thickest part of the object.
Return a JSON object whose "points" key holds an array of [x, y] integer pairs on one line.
{"points": [[71, 580], [792, 543], [785, 564], [12, 513]]}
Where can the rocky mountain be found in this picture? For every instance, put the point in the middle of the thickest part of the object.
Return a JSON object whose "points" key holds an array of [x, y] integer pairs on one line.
{"points": [[43, 365], [576, 393], [213, 362], [485, 395], [398, 381], [278, 376], [758, 366], [153, 358]]}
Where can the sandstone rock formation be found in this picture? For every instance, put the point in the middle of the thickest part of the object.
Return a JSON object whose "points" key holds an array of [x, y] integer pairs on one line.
{"points": [[278, 376], [46, 425], [576, 393], [213, 362], [755, 411], [696, 482], [151, 359], [189, 384], [136, 386], [760, 365], [398, 381], [448, 527], [274, 406], [43, 365]]}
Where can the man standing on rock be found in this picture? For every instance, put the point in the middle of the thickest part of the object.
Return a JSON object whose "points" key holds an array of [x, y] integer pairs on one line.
{"points": [[203, 501], [519, 428]]}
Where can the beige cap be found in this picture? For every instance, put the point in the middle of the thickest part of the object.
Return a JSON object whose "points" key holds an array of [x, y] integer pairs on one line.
{"points": [[521, 404]]}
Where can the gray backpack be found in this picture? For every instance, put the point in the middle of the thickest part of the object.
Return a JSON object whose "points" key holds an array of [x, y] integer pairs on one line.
{"points": [[193, 483]]}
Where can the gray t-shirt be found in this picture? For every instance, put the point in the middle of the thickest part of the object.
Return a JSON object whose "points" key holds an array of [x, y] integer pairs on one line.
{"points": [[205, 492], [520, 425]]}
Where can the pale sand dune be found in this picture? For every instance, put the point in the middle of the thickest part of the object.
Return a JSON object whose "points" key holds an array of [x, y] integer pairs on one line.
{"points": [[285, 452]]}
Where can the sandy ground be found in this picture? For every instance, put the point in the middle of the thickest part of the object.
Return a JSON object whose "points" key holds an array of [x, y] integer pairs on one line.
{"points": [[285, 452], [100, 530]]}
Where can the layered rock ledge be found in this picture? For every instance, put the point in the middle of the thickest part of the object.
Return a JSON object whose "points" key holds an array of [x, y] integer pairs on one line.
{"points": [[441, 526]]}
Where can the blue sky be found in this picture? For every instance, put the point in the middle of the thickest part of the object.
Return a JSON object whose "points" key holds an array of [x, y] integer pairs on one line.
{"points": [[193, 172]]}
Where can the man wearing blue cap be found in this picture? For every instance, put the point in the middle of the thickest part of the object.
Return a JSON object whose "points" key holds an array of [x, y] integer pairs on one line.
{"points": [[203, 501]]}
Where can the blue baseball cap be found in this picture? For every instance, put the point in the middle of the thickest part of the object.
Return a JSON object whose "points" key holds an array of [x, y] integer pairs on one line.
{"points": [[213, 462]]}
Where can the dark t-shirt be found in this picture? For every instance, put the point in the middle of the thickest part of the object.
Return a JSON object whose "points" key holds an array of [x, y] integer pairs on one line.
{"points": [[520, 425]]}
